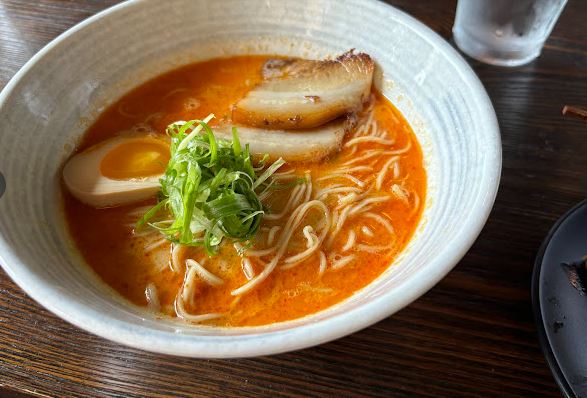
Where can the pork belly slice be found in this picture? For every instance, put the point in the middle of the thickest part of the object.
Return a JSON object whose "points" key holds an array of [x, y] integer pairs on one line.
{"points": [[301, 94], [310, 145]]}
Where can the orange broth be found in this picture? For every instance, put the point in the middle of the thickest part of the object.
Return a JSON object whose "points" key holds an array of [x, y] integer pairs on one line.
{"points": [[120, 259]]}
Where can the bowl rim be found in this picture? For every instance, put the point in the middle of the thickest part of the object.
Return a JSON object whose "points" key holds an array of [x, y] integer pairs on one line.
{"points": [[141, 337]]}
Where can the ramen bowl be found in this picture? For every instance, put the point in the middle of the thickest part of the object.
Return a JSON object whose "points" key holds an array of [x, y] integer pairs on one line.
{"points": [[50, 102]]}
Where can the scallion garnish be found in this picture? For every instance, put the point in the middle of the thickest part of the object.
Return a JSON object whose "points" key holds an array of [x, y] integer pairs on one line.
{"points": [[209, 187]]}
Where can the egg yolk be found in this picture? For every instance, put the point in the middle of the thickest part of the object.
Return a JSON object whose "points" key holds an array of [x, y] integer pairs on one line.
{"points": [[135, 159]]}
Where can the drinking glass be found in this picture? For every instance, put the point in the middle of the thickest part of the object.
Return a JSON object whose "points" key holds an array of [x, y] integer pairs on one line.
{"points": [[505, 32]]}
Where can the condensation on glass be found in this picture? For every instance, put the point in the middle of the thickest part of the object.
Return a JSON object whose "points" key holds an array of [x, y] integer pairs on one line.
{"points": [[505, 32]]}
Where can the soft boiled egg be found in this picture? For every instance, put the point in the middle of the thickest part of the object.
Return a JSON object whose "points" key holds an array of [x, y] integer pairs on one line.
{"points": [[117, 171]]}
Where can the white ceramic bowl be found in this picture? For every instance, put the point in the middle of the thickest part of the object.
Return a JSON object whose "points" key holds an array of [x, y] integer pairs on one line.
{"points": [[48, 104]]}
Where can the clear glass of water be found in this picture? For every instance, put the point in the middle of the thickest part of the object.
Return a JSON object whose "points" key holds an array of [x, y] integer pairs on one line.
{"points": [[505, 32]]}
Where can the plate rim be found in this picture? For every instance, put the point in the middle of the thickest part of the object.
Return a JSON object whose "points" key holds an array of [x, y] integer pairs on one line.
{"points": [[543, 340]]}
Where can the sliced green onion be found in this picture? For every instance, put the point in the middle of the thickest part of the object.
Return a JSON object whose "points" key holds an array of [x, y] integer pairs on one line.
{"points": [[186, 140], [236, 144], [269, 172], [209, 188]]}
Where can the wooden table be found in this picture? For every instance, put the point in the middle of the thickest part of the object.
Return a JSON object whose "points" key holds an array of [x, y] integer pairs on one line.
{"points": [[472, 335]]}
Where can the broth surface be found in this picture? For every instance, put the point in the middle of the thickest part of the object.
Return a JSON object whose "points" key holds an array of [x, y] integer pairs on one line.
{"points": [[129, 262]]}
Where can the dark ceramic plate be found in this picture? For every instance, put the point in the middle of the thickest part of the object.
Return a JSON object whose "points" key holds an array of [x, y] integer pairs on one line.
{"points": [[560, 304]]}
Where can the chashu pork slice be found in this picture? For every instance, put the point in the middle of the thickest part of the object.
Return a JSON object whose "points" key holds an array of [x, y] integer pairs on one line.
{"points": [[302, 94], [310, 145]]}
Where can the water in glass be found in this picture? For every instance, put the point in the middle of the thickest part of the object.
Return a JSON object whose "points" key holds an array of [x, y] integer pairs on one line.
{"points": [[505, 32]]}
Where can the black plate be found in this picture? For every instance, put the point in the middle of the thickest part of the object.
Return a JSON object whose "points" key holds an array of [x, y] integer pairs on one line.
{"points": [[560, 308]]}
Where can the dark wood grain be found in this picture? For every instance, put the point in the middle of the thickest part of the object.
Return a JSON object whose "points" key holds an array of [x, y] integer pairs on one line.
{"points": [[472, 335]]}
